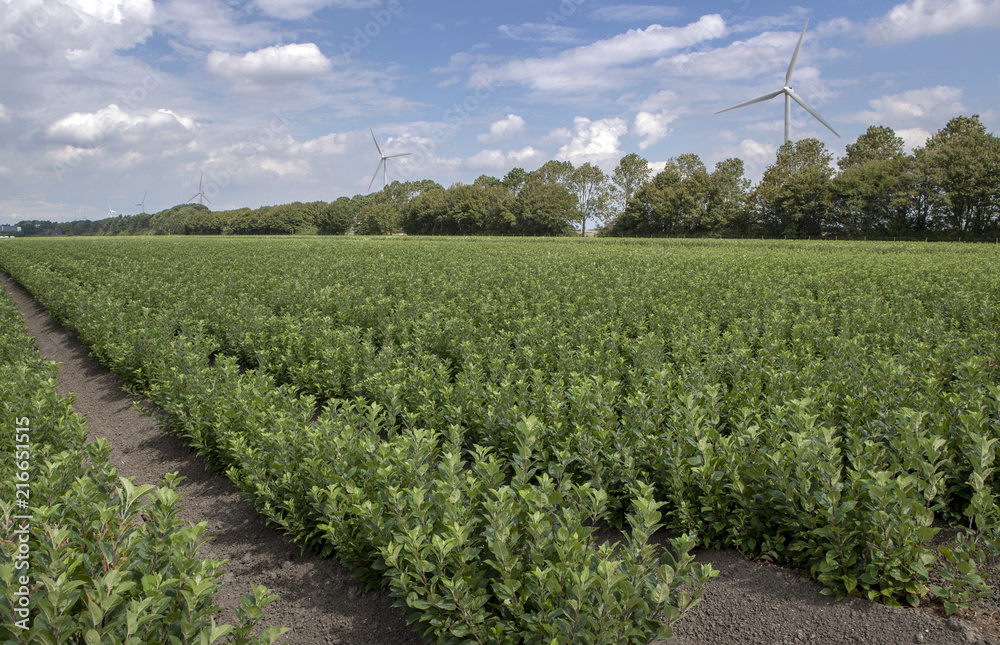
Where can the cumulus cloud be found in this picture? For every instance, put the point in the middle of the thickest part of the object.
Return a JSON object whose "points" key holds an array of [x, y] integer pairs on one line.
{"points": [[756, 156], [500, 161], [919, 18], [913, 137], [82, 31], [111, 123], [332, 144], [593, 66], [271, 65], [925, 107], [594, 141], [765, 53], [213, 24], [502, 129], [283, 168], [636, 13], [653, 128]]}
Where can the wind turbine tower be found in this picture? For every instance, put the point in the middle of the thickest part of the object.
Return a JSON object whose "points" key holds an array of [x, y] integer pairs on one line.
{"points": [[383, 165], [143, 203], [790, 95]]}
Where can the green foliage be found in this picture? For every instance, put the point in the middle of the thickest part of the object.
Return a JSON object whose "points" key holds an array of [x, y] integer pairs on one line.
{"points": [[336, 218], [108, 561], [962, 165], [378, 219], [826, 407], [685, 199]]}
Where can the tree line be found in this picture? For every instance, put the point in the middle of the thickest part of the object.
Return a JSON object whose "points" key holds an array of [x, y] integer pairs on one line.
{"points": [[949, 188]]}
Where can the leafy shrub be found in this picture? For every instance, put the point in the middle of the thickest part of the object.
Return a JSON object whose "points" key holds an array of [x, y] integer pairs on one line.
{"points": [[109, 562]]}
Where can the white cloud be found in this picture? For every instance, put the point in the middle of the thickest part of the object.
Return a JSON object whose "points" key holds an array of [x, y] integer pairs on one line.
{"points": [[657, 167], [924, 107], [653, 128], [766, 53], [111, 123], [298, 9], [4, 115], [636, 13], [503, 129], [919, 18], [271, 65], [594, 141], [541, 31], [286, 168], [660, 100], [83, 31], [328, 145], [214, 24], [590, 67], [501, 162], [756, 156], [913, 137]]}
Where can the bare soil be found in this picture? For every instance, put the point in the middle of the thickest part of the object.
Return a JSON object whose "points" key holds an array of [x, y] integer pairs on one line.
{"points": [[749, 603]]}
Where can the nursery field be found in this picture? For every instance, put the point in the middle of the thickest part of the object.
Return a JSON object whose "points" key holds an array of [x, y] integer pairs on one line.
{"points": [[457, 419]]}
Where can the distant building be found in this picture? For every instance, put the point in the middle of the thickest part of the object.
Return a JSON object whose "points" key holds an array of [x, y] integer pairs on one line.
{"points": [[9, 229]]}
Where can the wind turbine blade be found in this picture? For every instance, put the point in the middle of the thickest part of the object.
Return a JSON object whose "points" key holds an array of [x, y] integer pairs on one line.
{"points": [[798, 99], [377, 146], [200, 181], [191, 198], [379, 167], [795, 56], [759, 99], [403, 154], [206, 199]]}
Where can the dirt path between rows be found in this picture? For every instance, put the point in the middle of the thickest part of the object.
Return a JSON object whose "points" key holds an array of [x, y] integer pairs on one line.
{"points": [[750, 603]]}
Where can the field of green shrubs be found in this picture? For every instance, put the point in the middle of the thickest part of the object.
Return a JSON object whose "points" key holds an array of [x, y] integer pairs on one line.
{"points": [[456, 419], [98, 560]]}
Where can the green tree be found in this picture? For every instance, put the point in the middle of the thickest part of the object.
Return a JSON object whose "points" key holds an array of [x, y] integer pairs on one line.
{"points": [[426, 213], [379, 219], [879, 143], [675, 202], [544, 209], [591, 188], [728, 197], [631, 174], [794, 196], [337, 218], [872, 192], [555, 172], [514, 180], [961, 163]]}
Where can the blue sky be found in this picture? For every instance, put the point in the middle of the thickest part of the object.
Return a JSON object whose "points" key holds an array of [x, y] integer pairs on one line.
{"points": [[107, 100]]}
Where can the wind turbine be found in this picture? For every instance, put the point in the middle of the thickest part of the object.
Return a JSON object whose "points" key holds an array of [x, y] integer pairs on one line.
{"points": [[143, 203], [790, 95], [383, 165], [201, 192], [111, 211]]}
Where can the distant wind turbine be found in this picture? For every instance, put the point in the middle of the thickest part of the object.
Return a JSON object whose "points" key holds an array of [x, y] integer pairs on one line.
{"points": [[143, 203], [201, 192], [383, 165], [790, 96], [111, 211]]}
